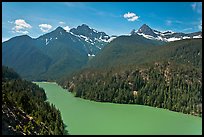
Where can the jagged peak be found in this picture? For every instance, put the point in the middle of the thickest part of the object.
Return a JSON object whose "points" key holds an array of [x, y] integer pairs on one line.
{"points": [[59, 29], [144, 27]]}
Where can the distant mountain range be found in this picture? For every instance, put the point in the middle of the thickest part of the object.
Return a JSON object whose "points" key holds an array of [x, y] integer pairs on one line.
{"points": [[136, 69], [166, 36], [135, 49], [91, 39], [62, 52], [53, 54]]}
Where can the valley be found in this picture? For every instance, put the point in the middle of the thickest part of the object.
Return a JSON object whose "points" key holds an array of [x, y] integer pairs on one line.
{"points": [[79, 68], [130, 70]]}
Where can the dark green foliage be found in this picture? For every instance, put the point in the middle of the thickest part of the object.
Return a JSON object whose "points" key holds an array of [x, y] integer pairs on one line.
{"points": [[167, 76], [21, 54], [34, 60], [31, 99], [9, 73], [165, 85], [127, 50], [123, 50]]}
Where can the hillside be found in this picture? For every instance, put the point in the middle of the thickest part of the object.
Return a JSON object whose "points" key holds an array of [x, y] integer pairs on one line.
{"points": [[167, 76], [24, 110], [123, 50], [63, 52], [21, 54], [53, 54], [127, 50]]}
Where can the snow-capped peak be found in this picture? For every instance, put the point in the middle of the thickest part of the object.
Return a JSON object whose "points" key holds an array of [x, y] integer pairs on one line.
{"points": [[167, 36], [89, 34]]}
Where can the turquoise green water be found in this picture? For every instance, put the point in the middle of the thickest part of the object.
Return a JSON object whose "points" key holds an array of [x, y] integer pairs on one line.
{"points": [[89, 117]]}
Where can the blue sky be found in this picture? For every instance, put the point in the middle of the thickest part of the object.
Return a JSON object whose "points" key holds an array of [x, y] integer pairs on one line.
{"points": [[114, 18]]}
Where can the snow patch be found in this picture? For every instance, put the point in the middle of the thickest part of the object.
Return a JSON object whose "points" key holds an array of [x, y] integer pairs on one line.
{"points": [[91, 55], [196, 37], [111, 38], [173, 39], [75, 35], [160, 38], [98, 47], [46, 41], [101, 39], [156, 32], [146, 36], [95, 31], [167, 32], [86, 39], [186, 37]]}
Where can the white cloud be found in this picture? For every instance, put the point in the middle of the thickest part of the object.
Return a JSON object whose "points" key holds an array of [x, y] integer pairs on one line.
{"points": [[67, 28], [133, 18], [21, 26], [45, 27], [21, 23], [62, 23], [130, 16], [197, 6]]}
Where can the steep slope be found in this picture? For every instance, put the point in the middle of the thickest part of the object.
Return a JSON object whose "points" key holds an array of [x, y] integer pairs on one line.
{"points": [[164, 84], [95, 40], [130, 50], [54, 54], [22, 54], [124, 50], [166, 36], [24, 110], [167, 76], [46, 57], [66, 51]]}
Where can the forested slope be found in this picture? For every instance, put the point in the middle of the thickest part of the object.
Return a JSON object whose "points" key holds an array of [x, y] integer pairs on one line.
{"points": [[170, 77], [24, 109]]}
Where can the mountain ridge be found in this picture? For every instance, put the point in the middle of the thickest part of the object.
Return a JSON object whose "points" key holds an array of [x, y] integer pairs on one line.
{"points": [[166, 36], [39, 58]]}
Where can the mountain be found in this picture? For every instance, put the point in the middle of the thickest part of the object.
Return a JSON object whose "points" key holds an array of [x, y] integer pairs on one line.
{"points": [[145, 29], [61, 52], [22, 54], [124, 50], [67, 52], [53, 54], [166, 36], [133, 71], [96, 40], [135, 49], [46, 57]]}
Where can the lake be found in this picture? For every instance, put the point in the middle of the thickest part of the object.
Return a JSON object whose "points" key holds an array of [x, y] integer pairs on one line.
{"points": [[95, 118]]}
